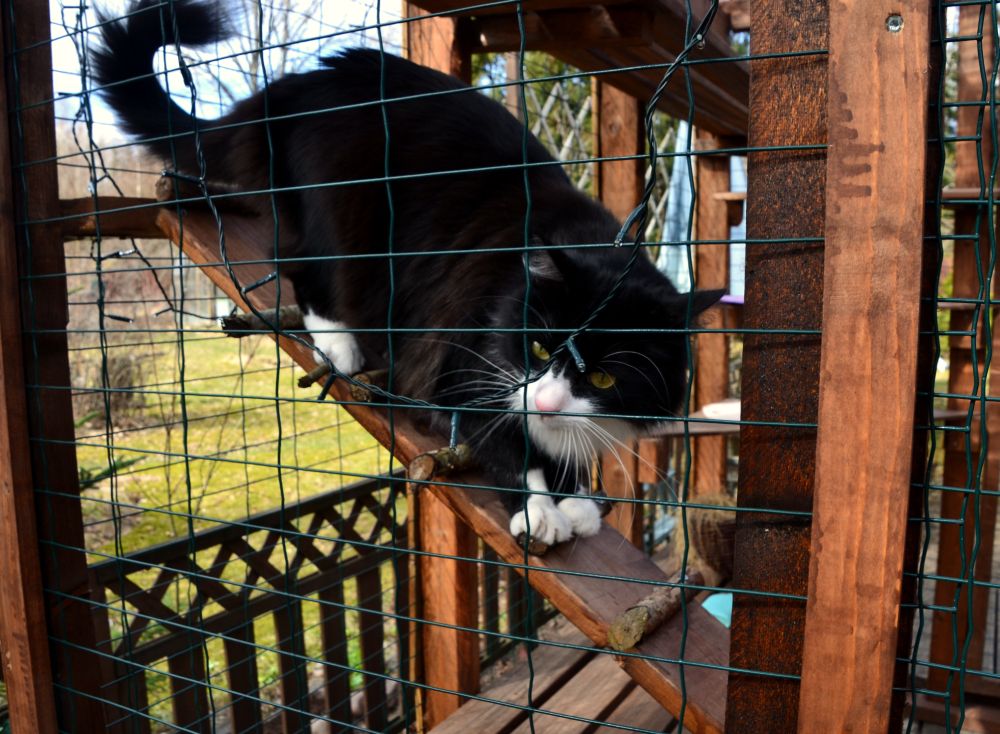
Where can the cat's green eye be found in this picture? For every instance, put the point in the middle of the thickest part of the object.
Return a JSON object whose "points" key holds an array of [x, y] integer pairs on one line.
{"points": [[602, 380], [539, 351]]}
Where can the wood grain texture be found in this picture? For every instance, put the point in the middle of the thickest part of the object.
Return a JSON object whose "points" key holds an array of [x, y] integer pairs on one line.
{"points": [[620, 478], [23, 641], [128, 216], [871, 297], [450, 658], [780, 373], [721, 89], [618, 131], [711, 381], [53, 483]]}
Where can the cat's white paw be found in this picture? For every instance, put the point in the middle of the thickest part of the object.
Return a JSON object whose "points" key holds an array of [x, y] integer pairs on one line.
{"points": [[584, 515], [340, 347], [548, 524]]}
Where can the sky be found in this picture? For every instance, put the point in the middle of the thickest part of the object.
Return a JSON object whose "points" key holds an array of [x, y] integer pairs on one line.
{"points": [[319, 27]]}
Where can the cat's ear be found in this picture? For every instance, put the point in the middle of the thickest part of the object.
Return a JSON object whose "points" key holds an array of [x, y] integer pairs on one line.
{"points": [[704, 300], [701, 301]]}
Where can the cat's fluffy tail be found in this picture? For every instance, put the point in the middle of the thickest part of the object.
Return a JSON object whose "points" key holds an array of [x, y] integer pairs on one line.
{"points": [[123, 66]]}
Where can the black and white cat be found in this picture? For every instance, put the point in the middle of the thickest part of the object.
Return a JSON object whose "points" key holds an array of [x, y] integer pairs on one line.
{"points": [[461, 292]]}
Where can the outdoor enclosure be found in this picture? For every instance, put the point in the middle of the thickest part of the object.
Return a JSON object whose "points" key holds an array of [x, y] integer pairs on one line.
{"points": [[204, 530]]}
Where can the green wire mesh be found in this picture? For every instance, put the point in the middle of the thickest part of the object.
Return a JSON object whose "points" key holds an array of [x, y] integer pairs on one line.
{"points": [[243, 573]]}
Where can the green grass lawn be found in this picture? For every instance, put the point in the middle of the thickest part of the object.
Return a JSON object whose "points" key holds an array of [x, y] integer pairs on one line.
{"points": [[201, 434]]}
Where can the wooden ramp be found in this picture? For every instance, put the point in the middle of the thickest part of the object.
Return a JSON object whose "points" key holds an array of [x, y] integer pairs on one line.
{"points": [[590, 581]]}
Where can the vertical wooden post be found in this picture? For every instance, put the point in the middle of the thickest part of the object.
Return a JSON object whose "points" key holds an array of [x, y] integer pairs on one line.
{"points": [[448, 589], [780, 374], [968, 264], [871, 301], [46, 412], [711, 380], [619, 131], [23, 640]]}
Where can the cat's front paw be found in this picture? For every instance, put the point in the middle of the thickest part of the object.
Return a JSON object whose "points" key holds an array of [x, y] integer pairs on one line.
{"points": [[548, 525], [339, 346], [584, 516]]}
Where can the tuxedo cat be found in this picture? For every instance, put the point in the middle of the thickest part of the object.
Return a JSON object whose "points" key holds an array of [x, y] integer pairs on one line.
{"points": [[484, 301]]}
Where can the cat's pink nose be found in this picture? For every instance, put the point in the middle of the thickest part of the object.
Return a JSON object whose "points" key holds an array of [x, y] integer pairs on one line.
{"points": [[550, 398]]}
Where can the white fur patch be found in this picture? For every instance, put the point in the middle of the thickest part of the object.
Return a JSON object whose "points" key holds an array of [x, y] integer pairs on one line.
{"points": [[339, 346], [549, 432], [584, 515], [548, 524]]}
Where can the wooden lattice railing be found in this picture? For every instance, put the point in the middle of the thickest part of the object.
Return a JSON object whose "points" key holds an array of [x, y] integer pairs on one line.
{"points": [[215, 586]]}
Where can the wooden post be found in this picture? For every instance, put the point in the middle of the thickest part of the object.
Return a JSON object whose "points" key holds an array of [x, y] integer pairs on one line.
{"points": [[780, 374], [448, 589], [711, 381], [23, 641], [871, 304], [45, 412], [968, 266], [618, 131]]}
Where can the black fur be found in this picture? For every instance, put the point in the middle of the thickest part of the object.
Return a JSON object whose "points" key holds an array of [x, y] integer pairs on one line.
{"points": [[454, 128]]}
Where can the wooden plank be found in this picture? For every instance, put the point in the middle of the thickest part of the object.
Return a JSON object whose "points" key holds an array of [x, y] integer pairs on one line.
{"points": [[711, 382], [780, 373], [450, 658], [968, 268], [241, 672], [137, 217], [373, 649], [595, 26], [293, 676], [620, 478], [590, 603], [638, 710], [871, 303], [448, 595], [336, 677], [23, 640], [721, 89], [618, 131], [592, 693], [188, 692], [38, 251], [554, 667]]}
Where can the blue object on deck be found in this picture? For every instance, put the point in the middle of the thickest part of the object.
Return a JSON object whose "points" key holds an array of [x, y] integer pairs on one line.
{"points": [[720, 606]]}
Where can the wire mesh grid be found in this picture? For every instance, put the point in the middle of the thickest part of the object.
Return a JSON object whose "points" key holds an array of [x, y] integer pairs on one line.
{"points": [[251, 551], [953, 659], [256, 561]]}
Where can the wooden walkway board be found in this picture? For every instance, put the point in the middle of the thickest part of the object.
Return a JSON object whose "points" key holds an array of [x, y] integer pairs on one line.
{"points": [[568, 681], [589, 603]]}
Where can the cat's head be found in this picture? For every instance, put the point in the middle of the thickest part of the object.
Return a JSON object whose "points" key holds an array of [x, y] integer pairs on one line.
{"points": [[634, 355]]}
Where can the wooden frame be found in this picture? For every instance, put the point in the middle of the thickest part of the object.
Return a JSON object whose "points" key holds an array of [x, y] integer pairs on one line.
{"points": [[872, 137], [871, 304]]}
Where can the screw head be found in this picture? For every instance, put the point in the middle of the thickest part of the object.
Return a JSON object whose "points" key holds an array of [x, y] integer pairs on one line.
{"points": [[894, 23]]}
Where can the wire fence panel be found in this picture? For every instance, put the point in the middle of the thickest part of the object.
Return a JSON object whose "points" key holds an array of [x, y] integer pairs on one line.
{"points": [[351, 410]]}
